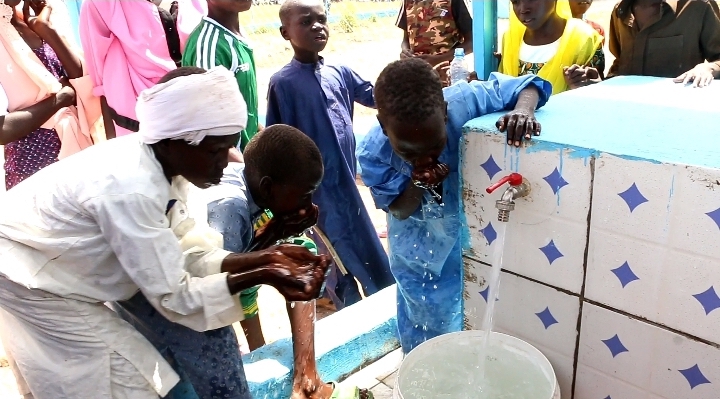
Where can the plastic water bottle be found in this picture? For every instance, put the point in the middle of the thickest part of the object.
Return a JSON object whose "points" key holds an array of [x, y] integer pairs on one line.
{"points": [[458, 67]]}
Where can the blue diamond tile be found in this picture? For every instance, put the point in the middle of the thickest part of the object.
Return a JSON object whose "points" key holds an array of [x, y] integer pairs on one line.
{"points": [[694, 376], [715, 216], [625, 274], [484, 293], [551, 252], [555, 180], [615, 345], [489, 233], [708, 299], [491, 167], [547, 318], [633, 197], [608, 397]]}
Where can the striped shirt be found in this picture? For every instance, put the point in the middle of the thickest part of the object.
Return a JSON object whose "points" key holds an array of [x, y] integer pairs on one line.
{"points": [[210, 45]]}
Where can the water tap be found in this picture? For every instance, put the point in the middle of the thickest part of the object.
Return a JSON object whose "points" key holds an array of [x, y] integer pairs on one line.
{"points": [[519, 187]]}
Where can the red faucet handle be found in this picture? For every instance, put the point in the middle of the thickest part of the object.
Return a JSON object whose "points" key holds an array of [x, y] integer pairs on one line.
{"points": [[514, 179]]}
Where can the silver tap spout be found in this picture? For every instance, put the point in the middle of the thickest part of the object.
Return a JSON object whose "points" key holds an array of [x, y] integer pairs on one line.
{"points": [[506, 203]]}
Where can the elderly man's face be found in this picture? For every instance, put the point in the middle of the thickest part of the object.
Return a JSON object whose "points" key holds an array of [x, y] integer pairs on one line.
{"points": [[202, 164]]}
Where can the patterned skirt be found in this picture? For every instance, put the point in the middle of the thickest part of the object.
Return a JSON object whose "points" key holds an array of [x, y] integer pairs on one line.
{"points": [[25, 157]]}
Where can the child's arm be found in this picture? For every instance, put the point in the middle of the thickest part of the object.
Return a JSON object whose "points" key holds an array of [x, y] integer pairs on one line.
{"points": [[405, 50], [362, 90], [41, 26], [18, 124], [463, 21], [499, 92]]}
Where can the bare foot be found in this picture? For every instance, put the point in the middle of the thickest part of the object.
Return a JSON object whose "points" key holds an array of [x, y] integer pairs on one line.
{"points": [[306, 387]]}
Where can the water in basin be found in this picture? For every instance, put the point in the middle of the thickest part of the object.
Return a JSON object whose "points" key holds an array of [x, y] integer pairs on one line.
{"points": [[447, 368]]}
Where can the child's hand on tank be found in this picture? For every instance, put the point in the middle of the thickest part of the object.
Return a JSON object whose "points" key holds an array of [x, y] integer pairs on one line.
{"points": [[519, 124], [430, 174]]}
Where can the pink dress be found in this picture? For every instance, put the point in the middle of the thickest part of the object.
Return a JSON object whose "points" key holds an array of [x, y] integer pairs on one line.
{"points": [[126, 50], [27, 156]]}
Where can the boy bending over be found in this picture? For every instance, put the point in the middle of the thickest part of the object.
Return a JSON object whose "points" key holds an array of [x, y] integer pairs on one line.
{"points": [[417, 141]]}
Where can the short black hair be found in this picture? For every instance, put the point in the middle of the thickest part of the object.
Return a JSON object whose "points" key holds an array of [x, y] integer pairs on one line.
{"points": [[286, 10], [409, 90], [283, 153], [182, 71], [289, 6]]}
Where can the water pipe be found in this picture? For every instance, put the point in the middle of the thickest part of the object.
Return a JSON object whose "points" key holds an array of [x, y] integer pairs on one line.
{"points": [[485, 15], [519, 187]]}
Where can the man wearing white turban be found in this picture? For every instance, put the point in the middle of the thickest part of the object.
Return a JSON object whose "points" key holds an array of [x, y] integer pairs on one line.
{"points": [[112, 220]]}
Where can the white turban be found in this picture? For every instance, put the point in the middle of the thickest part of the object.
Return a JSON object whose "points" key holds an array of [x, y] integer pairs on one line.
{"points": [[192, 107]]}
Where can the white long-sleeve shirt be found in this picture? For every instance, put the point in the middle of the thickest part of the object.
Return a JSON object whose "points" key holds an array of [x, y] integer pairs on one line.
{"points": [[94, 228]]}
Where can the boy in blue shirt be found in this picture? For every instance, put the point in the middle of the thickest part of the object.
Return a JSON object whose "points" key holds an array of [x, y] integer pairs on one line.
{"points": [[417, 141], [318, 98]]}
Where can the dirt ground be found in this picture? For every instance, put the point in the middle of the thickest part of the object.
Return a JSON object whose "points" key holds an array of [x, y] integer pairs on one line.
{"points": [[365, 45]]}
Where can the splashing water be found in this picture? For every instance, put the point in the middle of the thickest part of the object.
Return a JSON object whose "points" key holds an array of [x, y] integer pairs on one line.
{"points": [[493, 289]]}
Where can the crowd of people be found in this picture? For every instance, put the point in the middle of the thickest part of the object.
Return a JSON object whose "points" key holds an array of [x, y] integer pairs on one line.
{"points": [[146, 203]]}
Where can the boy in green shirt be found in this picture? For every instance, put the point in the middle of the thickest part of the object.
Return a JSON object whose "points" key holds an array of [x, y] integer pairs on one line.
{"points": [[218, 40]]}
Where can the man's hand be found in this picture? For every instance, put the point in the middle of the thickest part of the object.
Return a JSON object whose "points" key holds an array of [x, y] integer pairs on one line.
{"points": [[295, 272], [429, 172], [579, 76], [519, 124], [700, 76]]}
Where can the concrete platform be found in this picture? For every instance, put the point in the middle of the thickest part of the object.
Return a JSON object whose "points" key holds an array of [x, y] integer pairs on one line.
{"points": [[345, 342]]}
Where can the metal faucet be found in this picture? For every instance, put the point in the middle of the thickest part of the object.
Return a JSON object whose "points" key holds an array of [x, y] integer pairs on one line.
{"points": [[519, 187]]}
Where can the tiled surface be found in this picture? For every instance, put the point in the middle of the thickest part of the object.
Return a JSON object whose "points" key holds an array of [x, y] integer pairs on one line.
{"points": [[540, 315], [378, 377], [653, 244], [621, 358], [547, 231]]}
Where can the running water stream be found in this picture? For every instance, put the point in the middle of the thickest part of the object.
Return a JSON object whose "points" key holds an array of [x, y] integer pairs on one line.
{"points": [[493, 283]]}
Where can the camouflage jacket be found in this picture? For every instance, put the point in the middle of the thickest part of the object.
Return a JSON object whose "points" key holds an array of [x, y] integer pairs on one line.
{"points": [[431, 26]]}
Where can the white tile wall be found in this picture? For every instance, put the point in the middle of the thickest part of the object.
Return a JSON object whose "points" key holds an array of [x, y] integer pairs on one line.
{"points": [[540, 315], [660, 260], [620, 358], [547, 232]]}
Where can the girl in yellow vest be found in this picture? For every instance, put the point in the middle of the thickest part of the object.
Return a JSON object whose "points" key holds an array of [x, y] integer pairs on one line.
{"points": [[544, 39]]}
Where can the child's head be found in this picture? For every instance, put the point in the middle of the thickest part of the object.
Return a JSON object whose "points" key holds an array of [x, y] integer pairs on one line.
{"points": [[229, 6], [534, 14], [411, 109], [304, 24], [283, 168], [579, 7]]}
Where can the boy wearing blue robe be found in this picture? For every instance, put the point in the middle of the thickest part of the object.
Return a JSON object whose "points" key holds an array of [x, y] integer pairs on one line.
{"points": [[318, 99], [417, 142]]}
